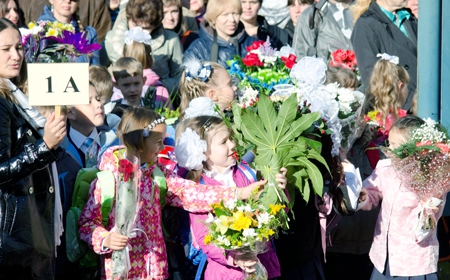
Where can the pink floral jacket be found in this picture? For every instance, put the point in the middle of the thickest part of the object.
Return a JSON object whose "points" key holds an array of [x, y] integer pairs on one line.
{"points": [[180, 193], [394, 231]]}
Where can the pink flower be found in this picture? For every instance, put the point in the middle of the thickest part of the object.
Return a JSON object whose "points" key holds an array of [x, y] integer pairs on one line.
{"points": [[426, 143], [444, 147]]}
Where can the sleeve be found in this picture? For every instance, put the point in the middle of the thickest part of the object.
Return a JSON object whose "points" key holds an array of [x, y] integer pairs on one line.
{"points": [[193, 51], [194, 197], [172, 81], [114, 41], [366, 45], [91, 227], [95, 58], [34, 156], [372, 186], [303, 35]]}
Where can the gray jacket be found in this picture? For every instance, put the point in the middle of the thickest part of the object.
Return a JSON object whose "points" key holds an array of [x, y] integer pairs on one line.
{"points": [[329, 34]]}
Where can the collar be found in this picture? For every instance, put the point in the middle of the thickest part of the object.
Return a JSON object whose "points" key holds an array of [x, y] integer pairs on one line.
{"points": [[78, 138], [402, 14], [214, 173]]}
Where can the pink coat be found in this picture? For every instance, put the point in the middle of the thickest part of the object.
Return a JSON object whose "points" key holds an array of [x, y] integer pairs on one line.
{"points": [[219, 267], [180, 193], [394, 231]]}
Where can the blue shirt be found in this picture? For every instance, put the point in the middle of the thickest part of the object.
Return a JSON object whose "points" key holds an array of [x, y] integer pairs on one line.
{"points": [[402, 14]]}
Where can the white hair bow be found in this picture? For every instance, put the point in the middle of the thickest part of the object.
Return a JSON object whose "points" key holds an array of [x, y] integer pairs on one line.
{"points": [[137, 34], [190, 150], [200, 106], [391, 58]]}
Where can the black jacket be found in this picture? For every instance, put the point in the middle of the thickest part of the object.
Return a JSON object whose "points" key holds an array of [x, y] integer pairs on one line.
{"points": [[278, 36], [374, 33], [27, 199]]}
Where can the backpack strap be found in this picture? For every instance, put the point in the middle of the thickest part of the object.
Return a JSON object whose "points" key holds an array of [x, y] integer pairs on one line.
{"points": [[214, 49], [316, 7], [106, 179], [248, 172], [160, 179]]}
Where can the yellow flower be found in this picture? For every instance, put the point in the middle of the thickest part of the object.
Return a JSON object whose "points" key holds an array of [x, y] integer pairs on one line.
{"points": [[373, 114], [52, 32], [31, 25], [240, 221], [208, 239], [274, 209]]}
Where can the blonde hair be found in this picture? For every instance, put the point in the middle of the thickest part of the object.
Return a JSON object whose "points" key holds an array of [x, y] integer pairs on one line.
{"points": [[142, 52], [101, 79], [197, 124], [384, 86], [131, 128], [194, 88], [126, 67], [216, 7], [359, 8]]}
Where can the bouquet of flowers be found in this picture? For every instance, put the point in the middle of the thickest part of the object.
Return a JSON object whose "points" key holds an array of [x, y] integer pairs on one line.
{"points": [[244, 227], [424, 165], [350, 103], [263, 67], [127, 208], [47, 41], [380, 127]]}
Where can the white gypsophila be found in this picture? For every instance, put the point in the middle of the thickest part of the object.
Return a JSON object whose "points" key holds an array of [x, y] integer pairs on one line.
{"points": [[230, 204], [210, 218], [263, 219], [429, 132], [245, 208], [249, 233]]}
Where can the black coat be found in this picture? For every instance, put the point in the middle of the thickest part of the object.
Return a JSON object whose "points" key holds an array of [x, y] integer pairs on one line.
{"points": [[27, 199], [278, 36], [374, 33]]}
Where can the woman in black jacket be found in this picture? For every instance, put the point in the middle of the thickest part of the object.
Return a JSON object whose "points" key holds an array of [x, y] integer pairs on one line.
{"points": [[27, 242]]}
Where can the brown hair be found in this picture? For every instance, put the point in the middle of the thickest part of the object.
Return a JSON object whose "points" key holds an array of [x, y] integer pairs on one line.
{"points": [[344, 77], [142, 52], [181, 23], [384, 86], [194, 88], [131, 128], [101, 79], [148, 11], [21, 80], [126, 67], [215, 7], [197, 124], [359, 8]]}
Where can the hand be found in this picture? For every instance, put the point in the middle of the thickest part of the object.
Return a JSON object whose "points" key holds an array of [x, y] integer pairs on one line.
{"points": [[54, 131], [281, 178], [246, 261], [115, 241], [362, 195], [244, 193]]}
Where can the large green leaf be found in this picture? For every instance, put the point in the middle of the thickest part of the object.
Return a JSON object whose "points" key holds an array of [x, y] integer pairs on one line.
{"points": [[268, 116], [314, 175], [286, 114], [298, 126], [313, 154]]}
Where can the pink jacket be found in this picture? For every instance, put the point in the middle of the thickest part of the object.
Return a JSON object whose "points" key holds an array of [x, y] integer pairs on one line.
{"points": [[219, 267], [394, 231], [180, 193]]}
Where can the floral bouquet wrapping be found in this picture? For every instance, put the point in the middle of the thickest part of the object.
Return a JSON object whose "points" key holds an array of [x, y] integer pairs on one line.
{"points": [[244, 228], [350, 103], [423, 163], [47, 41], [126, 211]]}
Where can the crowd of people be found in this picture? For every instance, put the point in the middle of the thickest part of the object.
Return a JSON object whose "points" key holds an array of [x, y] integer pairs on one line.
{"points": [[161, 55]]}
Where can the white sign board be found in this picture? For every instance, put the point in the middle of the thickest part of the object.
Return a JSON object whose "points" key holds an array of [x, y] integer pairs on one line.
{"points": [[52, 84]]}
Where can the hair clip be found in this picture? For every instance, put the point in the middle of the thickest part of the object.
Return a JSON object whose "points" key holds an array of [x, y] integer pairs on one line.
{"points": [[207, 126], [196, 70], [391, 58], [152, 125]]}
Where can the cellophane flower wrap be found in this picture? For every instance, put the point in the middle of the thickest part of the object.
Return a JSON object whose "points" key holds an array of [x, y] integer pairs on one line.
{"points": [[47, 41], [244, 227], [423, 164], [126, 209], [350, 105]]}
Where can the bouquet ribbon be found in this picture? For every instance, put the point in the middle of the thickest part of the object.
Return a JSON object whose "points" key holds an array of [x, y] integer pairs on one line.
{"points": [[426, 222]]}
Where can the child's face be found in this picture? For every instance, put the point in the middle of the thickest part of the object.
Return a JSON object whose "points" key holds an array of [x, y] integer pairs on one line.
{"points": [[224, 92], [90, 115], [154, 144], [131, 88], [397, 138], [220, 148]]}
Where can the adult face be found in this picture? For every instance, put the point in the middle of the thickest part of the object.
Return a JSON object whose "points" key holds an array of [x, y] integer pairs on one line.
{"points": [[64, 9], [250, 10], [227, 23], [11, 12], [196, 6], [295, 10], [171, 17], [113, 4], [413, 5], [11, 53]]}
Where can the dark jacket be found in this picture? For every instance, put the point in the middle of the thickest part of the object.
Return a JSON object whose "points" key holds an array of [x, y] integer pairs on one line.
{"points": [[374, 33], [91, 36], [27, 199], [278, 36], [290, 29], [201, 48]]}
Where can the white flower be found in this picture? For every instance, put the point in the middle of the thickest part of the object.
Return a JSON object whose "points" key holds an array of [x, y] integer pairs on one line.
{"points": [[245, 208], [200, 106], [263, 219], [221, 239], [210, 218], [250, 232], [428, 131], [286, 51], [359, 96], [345, 107], [309, 70], [249, 95], [230, 204], [346, 96], [190, 150]]}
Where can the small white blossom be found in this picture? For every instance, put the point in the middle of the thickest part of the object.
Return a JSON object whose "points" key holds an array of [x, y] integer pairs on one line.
{"points": [[250, 232], [210, 218], [230, 204], [263, 219], [245, 208]]}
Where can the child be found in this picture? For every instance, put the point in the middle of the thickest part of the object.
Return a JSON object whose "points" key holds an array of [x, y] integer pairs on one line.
{"points": [[213, 163], [142, 131], [205, 79], [344, 77], [395, 252]]}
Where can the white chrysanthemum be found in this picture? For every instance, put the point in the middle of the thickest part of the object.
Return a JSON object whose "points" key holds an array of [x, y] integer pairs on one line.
{"points": [[359, 96], [346, 96], [345, 107]]}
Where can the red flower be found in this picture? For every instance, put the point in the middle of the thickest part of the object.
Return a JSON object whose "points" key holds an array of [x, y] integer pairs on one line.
{"points": [[252, 59], [235, 155], [126, 169], [255, 45], [351, 57], [444, 147], [344, 58], [339, 56], [289, 61]]}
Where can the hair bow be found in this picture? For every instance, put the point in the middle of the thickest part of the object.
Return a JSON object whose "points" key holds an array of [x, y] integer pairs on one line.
{"points": [[137, 34], [391, 58]]}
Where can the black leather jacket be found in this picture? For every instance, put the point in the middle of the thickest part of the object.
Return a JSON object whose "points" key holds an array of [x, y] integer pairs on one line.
{"points": [[27, 245]]}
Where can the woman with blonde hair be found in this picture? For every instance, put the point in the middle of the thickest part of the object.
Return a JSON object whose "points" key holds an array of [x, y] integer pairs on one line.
{"points": [[221, 34]]}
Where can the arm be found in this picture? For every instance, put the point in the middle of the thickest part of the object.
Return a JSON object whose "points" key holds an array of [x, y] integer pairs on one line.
{"points": [[371, 194], [102, 20], [94, 59]]}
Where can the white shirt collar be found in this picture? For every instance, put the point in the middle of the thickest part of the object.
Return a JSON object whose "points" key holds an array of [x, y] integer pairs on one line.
{"points": [[226, 178], [78, 138]]}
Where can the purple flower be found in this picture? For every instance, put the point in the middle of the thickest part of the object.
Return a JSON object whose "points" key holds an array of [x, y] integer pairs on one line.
{"points": [[78, 41]]}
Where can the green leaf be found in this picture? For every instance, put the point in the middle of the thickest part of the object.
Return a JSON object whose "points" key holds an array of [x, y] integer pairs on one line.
{"points": [[314, 175], [313, 154], [267, 114], [298, 126], [287, 113], [306, 191]]}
